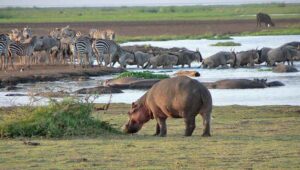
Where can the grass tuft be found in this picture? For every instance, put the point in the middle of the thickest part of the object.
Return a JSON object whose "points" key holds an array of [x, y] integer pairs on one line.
{"points": [[69, 117], [144, 74], [229, 43]]}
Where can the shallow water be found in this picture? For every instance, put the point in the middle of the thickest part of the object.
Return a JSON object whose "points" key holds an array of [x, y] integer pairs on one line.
{"points": [[286, 95]]}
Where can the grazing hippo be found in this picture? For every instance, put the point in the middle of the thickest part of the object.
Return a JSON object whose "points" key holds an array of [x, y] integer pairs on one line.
{"points": [[246, 58], [263, 56], [165, 60], [221, 58], [178, 97]]}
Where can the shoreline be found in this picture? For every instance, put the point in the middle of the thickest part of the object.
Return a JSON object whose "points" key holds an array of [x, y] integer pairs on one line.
{"points": [[52, 73]]}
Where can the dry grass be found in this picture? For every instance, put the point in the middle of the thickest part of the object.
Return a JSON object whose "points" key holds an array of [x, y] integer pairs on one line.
{"points": [[266, 137]]}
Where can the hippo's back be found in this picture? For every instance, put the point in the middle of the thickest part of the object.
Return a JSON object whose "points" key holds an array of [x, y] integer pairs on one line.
{"points": [[180, 94]]}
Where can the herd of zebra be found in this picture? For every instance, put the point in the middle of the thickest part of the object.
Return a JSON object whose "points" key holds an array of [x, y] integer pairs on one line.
{"points": [[67, 46], [61, 46]]}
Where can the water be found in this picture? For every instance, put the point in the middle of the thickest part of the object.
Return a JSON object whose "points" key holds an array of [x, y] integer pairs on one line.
{"points": [[204, 45], [286, 95]]}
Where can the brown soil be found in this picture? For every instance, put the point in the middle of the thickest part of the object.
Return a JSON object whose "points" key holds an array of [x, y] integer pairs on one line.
{"points": [[142, 28], [51, 73]]}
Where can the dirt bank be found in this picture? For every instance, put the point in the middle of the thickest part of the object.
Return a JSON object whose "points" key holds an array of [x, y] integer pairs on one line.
{"points": [[52, 73], [143, 28]]}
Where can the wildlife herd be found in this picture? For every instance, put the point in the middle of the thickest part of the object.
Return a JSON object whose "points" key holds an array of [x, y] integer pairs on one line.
{"points": [[67, 46], [177, 97]]}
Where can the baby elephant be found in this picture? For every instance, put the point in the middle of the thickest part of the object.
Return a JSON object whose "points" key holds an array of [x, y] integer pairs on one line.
{"points": [[178, 97]]}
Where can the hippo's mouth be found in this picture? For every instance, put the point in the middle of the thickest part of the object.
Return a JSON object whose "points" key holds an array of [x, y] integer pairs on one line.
{"points": [[131, 129]]}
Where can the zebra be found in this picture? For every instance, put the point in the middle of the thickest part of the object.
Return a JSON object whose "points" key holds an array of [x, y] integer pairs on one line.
{"points": [[108, 50], [22, 50], [27, 33], [4, 41], [83, 46], [265, 18], [105, 34]]}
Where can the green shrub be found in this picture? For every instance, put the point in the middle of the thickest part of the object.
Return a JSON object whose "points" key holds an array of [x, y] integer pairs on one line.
{"points": [[144, 74], [69, 117], [229, 43]]}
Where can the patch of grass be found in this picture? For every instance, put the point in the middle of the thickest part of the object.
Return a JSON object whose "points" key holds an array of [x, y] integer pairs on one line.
{"points": [[266, 69], [289, 30], [209, 36], [229, 43], [144, 74], [228, 12], [260, 137], [69, 117]]}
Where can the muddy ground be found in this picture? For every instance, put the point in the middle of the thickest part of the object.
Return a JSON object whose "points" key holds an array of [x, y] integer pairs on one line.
{"points": [[51, 73], [142, 28]]}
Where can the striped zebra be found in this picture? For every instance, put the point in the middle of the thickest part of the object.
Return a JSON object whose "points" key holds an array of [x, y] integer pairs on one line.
{"points": [[109, 51], [4, 41], [83, 46], [23, 50]]}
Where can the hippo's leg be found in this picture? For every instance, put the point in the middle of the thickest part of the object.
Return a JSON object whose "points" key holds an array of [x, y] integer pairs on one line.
{"points": [[206, 123], [162, 126], [189, 125], [157, 130]]}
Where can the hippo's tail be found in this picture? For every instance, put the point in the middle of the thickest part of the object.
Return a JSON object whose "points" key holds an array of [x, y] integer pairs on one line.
{"points": [[206, 111]]}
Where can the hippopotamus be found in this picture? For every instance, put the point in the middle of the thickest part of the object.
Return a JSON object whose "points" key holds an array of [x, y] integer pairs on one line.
{"points": [[242, 84], [177, 97]]}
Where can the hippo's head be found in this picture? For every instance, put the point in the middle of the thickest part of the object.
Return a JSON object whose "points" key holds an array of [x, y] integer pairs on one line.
{"points": [[138, 115]]}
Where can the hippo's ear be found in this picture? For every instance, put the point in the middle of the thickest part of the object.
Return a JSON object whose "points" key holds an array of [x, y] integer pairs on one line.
{"points": [[133, 105]]}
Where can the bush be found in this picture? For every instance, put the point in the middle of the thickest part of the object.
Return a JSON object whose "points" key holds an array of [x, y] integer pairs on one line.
{"points": [[144, 74], [69, 117]]}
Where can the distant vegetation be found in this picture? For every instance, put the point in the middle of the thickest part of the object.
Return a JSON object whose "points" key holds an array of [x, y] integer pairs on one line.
{"points": [[122, 39], [146, 13], [229, 43], [58, 119], [144, 74]]}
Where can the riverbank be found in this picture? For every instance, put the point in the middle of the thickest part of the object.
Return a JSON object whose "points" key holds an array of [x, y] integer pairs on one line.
{"points": [[52, 73], [268, 135]]}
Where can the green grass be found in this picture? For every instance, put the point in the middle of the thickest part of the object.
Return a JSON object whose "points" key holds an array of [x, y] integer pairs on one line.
{"points": [[264, 137], [266, 69], [144, 74], [69, 117], [229, 43], [9, 15], [122, 39]]}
